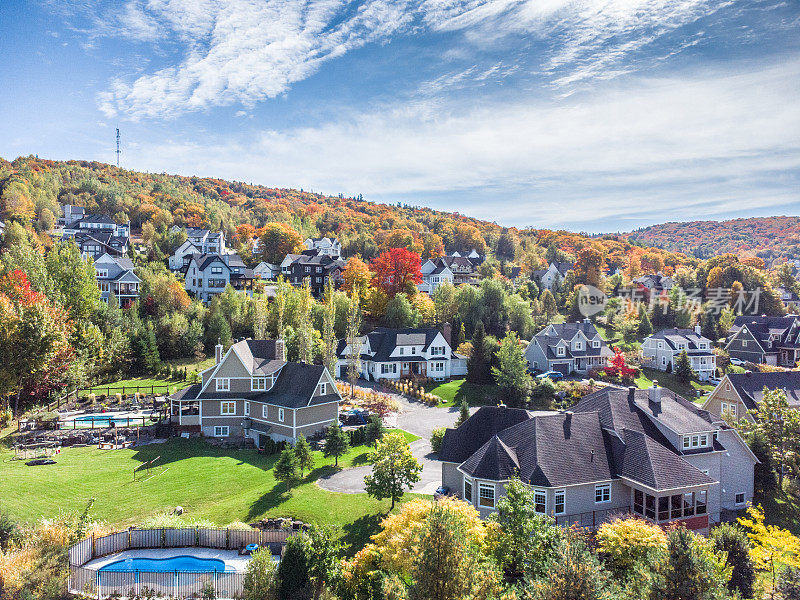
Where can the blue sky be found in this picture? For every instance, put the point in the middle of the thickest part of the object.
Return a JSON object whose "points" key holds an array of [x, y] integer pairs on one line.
{"points": [[591, 115]]}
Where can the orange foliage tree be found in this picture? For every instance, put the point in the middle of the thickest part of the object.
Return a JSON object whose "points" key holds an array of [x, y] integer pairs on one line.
{"points": [[396, 269], [278, 240]]}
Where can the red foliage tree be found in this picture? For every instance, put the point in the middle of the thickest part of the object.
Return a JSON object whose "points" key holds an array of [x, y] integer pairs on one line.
{"points": [[617, 366], [395, 269]]}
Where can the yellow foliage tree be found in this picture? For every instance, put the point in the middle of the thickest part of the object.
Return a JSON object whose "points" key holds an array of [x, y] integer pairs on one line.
{"points": [[772, 549], [624, 541]]}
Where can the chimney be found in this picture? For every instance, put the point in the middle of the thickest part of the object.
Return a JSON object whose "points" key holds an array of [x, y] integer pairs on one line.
{"points": [[631, 393], [654, 393], [697, 329], [218, 350], [280, 353], [447, 332]]}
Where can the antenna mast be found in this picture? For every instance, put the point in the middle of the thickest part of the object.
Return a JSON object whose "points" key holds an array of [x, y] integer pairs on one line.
{"points": [[117, 146]]}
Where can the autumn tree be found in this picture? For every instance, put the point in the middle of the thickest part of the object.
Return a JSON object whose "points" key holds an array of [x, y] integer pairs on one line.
{"points": [[396, 270], [329, 340], [468, 237], [278, 240], [393, 468], [589, 266], [353, 342], [356, 277], [773, 549], [34, 339]]}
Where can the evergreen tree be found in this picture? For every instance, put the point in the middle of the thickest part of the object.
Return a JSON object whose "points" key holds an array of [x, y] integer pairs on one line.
{"points": [[479, 364], [302, 451], [336, 443], [512, 375], [683, 368], [708, 326], [294, 578], [218, 330], [145, 349], [287, 468], [463, 414], [732, 540], [374, 430], [645, 326], [329, 340]]}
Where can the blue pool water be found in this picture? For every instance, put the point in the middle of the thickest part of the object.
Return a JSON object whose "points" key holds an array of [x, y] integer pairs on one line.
{"points": [[174, 563], [101, 421]]}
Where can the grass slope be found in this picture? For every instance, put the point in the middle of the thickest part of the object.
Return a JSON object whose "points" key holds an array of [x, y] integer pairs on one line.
{"points": [[212, 483], [669, 381], [454, 391]]}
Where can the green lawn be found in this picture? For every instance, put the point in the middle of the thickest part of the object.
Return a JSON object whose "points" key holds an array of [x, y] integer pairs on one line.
{"points": [[144, 383], [782, 510], [211, 483], [454, 391], [669, 381]]}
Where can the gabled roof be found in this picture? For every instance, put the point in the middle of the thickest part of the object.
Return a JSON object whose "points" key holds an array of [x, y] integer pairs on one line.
{"points": [[258, 356], [690, 337], [459, 444], [763, 328], [550, 337], [383, 341], [561, 266], [205, 260], [750, 386]]}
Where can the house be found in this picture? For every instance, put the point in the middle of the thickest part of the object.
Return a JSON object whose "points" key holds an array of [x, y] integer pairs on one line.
{"points": [[767, 340], [398, 353], [205, 240], [616, 452], [553, 275], [266, 270], [253, 392], [183, 254], [324, 246], [661, 350], [568, 347], [93, 225], [739, 393], [318, 269], [790, 299], [434, 273], [464, 269], [657, 282], [207, 275], [71, 214], [115, 275], [99, 242]]}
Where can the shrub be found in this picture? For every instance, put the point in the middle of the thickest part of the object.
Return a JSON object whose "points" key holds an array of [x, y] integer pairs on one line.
{"points": [[624, 542], [260, 580], [437, 437], [5, 417], [734, 542]]}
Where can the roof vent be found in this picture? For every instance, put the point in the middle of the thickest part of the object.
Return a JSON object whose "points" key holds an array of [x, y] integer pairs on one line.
{"points": [[591, 456], [631, 392]]}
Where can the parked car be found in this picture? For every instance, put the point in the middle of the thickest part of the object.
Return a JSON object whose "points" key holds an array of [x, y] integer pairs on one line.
{"points": [[441, 492], [737, 361], [554, 375]]}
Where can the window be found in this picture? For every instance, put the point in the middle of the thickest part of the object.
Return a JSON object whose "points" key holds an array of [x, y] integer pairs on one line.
{"points": [[401, 351], [740, 498], [695, 441], [595, 343], [663, 361], [323, 389], [223, 384], [388, 368], [663, 508], [687, 441], [728, 407], [676, 505], [468, 490], [744, 343], [560, 502], [227, 408], [258, 384], [700, 502], [221, 431], [281, 415], [264, 411], [688, 504], [704, 440], [602, 493], [638, 502], [246, 409], [216, 270], [560, 351], [649, 506], [486, 495], [540, 501], [102, 272], [578, 345]]}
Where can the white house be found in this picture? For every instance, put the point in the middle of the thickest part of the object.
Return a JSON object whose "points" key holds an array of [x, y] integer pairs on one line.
{"points": [[552, 275], [266, 270], [434, 273], [662, 349], [324, 246], [115, 275], [399, 353], [183, 254]]}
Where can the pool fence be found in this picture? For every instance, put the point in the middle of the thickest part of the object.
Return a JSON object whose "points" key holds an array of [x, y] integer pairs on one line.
{"points": [[178, 584]]}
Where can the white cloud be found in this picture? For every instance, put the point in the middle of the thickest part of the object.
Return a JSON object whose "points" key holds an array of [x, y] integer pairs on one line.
{"points": [[695, 145], [246, 51]]}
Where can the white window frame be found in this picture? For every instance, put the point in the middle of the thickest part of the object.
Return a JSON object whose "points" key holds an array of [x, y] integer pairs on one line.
{"points": [[258, 384], [281, 415], [223, 384], [560, 351], [264, 411], [222, 431], [481, 488], [246, 408], [744, 343], [595, 343], [687, 442], [227, 407], [563, 495], [323, 388], [604, 491], [540, 497], [102, 272], [468, 482]]}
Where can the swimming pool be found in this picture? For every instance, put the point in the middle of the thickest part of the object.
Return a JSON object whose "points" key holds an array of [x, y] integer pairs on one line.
{"points": [[183, 563], [103, 421]]}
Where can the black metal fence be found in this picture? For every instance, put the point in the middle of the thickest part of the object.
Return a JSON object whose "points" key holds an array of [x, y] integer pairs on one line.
{"points": [[172, 584]]}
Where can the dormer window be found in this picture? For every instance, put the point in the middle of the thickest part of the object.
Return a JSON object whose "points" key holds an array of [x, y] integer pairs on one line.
{"points": [[402, 350], [560, 351], [595, 343], [258, 384]]}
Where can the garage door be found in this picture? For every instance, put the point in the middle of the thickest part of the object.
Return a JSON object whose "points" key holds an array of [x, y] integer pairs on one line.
{"points": [[561, 367]]}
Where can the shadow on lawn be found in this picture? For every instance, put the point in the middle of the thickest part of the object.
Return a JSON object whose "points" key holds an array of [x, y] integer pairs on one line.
{"points": [[357, 533], [279, 493], [177, 449]]}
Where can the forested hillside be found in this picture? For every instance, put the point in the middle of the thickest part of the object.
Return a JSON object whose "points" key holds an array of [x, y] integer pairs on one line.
{"points": [[31, 190], [767, 237]]}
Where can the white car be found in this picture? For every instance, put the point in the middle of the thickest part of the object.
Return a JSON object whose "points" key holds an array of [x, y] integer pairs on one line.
{"points": [[736, 361]]}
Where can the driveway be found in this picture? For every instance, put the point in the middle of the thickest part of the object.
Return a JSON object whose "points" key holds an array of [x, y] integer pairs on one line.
{"points": [[416, 418]]}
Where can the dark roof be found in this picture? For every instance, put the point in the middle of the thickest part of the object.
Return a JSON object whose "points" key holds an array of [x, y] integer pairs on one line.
{"points": [[690, 337], [93, 219], [459, 444], [546, 450], [565, 332], [258, 356], [763, 327], [562, 267], [383, 341], [750, 386], [204, 260]]}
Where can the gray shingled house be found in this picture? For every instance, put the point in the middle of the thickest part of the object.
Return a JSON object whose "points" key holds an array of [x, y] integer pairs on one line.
{"points": [[568, 347], [763, 339], [644, 452], [739, 393], [251, 391]]}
